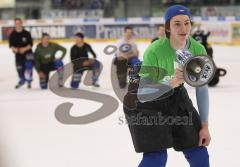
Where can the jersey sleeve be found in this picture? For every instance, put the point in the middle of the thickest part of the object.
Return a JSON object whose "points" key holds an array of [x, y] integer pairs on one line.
{"points": [[37, 59], [203, 50], [61, 48], [73, 54], [11, 40], [203, 102], [91, 50], [149, 58], [149, 68], [202, 92], [29, 38]]}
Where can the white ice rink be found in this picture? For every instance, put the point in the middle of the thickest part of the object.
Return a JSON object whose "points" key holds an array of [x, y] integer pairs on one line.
{"points": [[30, 135]]}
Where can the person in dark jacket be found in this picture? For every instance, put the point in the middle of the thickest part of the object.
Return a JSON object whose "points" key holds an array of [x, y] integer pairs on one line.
{"points": [[81, 61], [20, 41]]}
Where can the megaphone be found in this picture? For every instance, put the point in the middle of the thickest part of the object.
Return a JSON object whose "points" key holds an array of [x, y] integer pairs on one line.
{"points": [[197, 70]]}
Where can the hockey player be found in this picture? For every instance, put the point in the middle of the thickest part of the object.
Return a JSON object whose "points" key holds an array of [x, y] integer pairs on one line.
{"points": [[81, 61], [46, 60], [127, 55], [20, 41], [189, 137]]}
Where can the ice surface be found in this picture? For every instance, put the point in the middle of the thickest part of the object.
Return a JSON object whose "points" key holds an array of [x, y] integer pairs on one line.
{"points": [[30, 135]]}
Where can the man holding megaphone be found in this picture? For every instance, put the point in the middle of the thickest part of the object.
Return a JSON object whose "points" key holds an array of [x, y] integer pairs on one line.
{"points": [[183, 60]]}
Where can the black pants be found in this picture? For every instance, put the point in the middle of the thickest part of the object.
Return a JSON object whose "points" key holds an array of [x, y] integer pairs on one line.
{"points": [[165, 123], [122, 69], [20, 66], [46, 69], [24, 64]]}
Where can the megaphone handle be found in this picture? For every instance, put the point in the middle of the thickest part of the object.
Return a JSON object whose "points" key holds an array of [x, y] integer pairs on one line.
{"points": [[222, 72]]}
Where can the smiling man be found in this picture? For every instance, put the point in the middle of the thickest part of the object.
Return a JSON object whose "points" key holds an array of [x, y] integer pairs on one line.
{"points": [[191, 139]]}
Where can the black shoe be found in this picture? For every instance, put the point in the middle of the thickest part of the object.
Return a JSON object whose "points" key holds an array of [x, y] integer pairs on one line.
{"points": [[29, 86], [19, 85], [96, 85]]}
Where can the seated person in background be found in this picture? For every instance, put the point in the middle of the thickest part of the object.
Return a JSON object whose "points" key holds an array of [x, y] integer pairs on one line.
{"points": [[46, 61], [127, 55], [81, 61]]}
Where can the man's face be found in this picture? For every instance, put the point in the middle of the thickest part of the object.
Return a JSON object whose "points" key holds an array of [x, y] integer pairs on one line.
{"points": [[18, 24], [45, 40], [128, 34], [78, 40], [180, 27], [161, 31]]}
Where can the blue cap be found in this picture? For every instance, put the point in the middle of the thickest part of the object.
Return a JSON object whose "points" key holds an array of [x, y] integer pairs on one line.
{"points": [[176, 10]]}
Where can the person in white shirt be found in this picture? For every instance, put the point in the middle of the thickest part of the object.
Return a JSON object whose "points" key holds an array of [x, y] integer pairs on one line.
{"points": [[127, 55]]}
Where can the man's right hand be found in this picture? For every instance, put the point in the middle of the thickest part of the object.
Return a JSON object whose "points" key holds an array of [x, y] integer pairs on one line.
{"points": [[14, 49], [178, 78]]}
